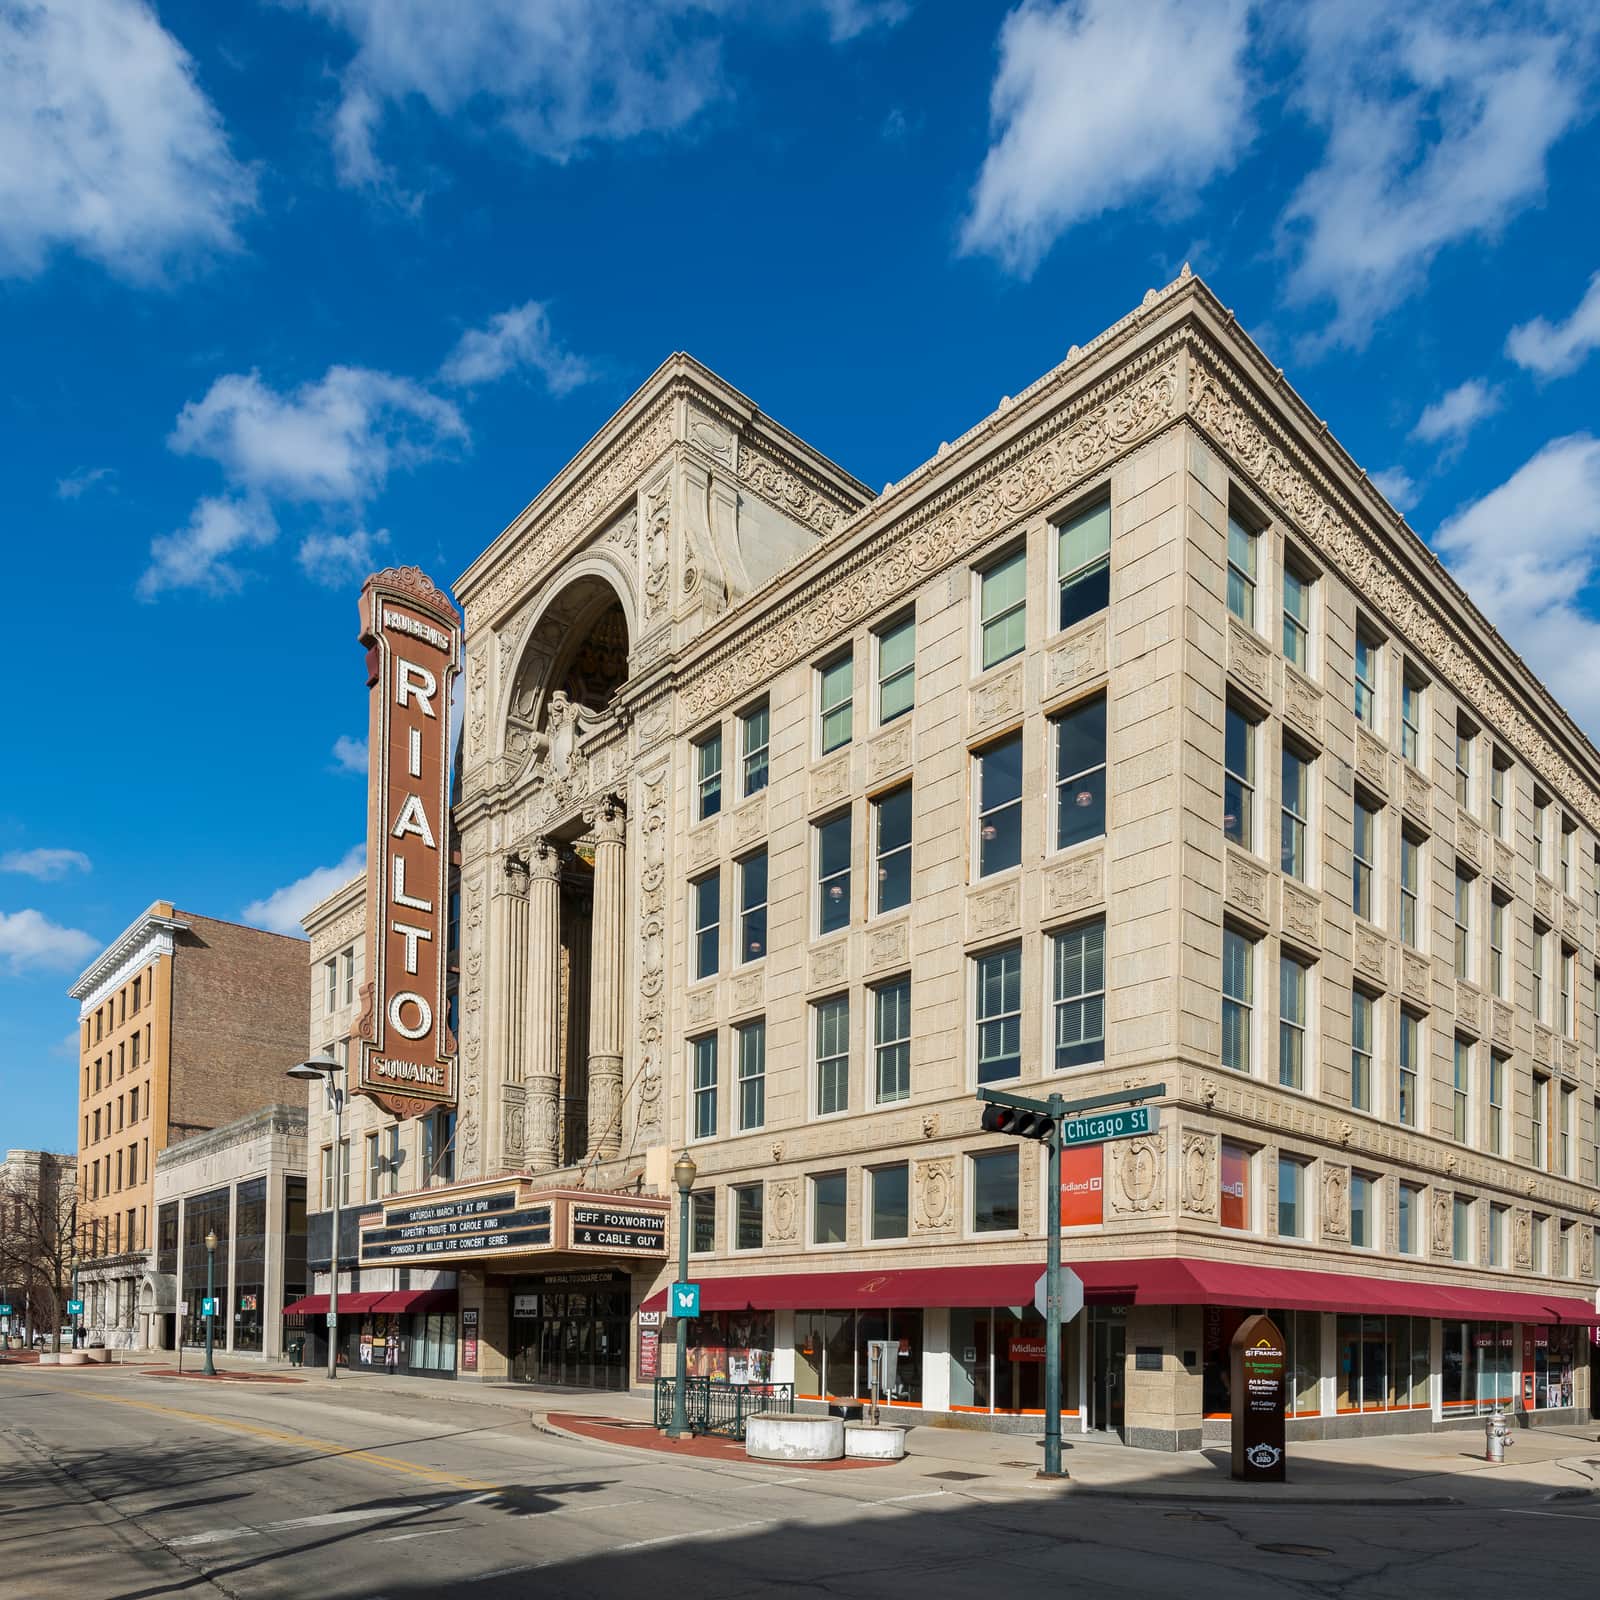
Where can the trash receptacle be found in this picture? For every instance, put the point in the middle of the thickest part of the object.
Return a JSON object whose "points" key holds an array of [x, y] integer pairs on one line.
{"points": [[297, 1350]]}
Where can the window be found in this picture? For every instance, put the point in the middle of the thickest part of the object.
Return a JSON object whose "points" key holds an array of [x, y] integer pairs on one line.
{"points": [[702, 1222], [439, 1148], [705, 899], [1081, 773], [1239, 778], [1411, 692], [891, 838], [347, 964], [891, 1003], [1541, 832], [1238, 998], [1499, 820], [1497, 1235], [1297, 618], [1366, 678], [374, 1167], [994, 1191], [327, 1177], [1237, 1200], [1463, 923], [708, 776], [835, 689], [755, 734], [1565, 1109], [1000, 806], [1363, 853], [753, 907], [828, 1208], [1461, 1091], [1410, 1217], [1564, 1250], [1541, 1121], [1464, 738], [1296, 813], [1003, 609], [1541, 941], [833, 873], [1079, 1001], [747, 1216], [1539, 1242], [1363, 1211], [890, 1207], [1083, 560], [392, 1161], [1565, 1020], [1496, 1109], [1292, 1197], [703, 1058], [750, 1041], [1569, 840], [330, 973], [1497, 946], [1410, 1062], [1461, 1229], [1361, 1041], [897, 670], [1292, 983], [833, 1055], [999, 1014], [1243, 544]]}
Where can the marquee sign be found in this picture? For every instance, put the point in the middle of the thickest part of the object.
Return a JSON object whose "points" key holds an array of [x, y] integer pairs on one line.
{"points": [[468, 1225], [413, 640]]}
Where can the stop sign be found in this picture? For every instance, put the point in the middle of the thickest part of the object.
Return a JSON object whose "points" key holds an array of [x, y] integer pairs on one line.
{"points": [[1071, 1294]]}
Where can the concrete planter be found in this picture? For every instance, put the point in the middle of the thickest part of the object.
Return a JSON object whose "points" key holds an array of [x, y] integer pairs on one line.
{"points": [[73, 1358], [783, 1436], [865, 1442], [48, 1358], [98, 1354]]}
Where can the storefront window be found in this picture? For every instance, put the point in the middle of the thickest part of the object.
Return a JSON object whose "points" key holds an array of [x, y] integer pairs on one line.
{"points": [[250, 1265], [1547, 1357], [433, 1341], [830, 1352], [997, 1361], [1302, 1337], [203, 1213], [732, 1346], [1477, 1366]]}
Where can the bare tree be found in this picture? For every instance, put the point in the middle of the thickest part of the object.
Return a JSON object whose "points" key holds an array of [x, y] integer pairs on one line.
{"points": [[38, 1230]]}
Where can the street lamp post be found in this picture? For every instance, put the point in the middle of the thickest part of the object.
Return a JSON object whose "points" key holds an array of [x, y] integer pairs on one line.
{"points": [[326, 1070], [684, 1172], [211, 1296]]}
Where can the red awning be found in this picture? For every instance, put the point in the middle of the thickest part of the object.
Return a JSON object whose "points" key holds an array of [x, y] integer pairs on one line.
{"points": [[403, 1300], [1165, 1281], [316, 1305]]}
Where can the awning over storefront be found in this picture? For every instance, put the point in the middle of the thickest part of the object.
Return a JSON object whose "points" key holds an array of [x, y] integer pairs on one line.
{"points": [[1162, 1281], [392, 1302]]}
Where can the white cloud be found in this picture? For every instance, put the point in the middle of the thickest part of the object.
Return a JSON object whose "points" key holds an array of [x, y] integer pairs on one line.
{"points": [[848, 18], [1097, 104], [1438, 119], [199, 555], [1454, 415], [1554, 349], [45, 865], [335, 559], [108, 146], [281, 911], [520, 337], [1525, 551], [77, 484], [1398, 487], [67, 1046], [29, 940], [335, 440], [350, 755]]}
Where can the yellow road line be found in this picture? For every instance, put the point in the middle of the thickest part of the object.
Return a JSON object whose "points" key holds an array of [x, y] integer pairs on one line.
{"points": [[299, 1440]]}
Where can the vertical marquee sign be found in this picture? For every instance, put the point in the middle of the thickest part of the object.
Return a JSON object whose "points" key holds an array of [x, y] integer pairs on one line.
{"points": [[413, 641]]}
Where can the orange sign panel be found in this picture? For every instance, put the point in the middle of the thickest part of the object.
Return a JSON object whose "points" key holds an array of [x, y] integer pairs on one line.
{"points": [[1082, 1185], [413, 640]]}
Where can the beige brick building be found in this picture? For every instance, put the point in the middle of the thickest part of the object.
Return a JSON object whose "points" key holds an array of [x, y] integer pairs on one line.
{"points": [[186, 1022], [1133, 739]]}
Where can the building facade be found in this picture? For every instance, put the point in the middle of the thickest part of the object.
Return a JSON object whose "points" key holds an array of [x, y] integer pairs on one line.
{"points": [[1131, 741], [37, 1213], [185, 1023], [244, 1182]]}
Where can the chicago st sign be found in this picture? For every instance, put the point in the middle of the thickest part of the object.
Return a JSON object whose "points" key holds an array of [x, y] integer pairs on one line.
{"points": [[413, 641]]}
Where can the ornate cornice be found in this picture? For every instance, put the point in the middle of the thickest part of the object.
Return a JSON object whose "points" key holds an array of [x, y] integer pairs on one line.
{"points": [[147, 937]]}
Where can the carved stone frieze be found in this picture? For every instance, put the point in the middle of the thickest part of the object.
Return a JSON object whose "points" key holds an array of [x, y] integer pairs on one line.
{"points": [[1139, 1175], [1076, 884], [1244, 885], [1522, 1238], [1079, 659], [1416, 978], [992, 911], [1569, 1058], [1469, 839], [890, 752], [748, 992], [830, 964], [888, 947], [1586, 1252], [1500, 1023], [1442, 1213], [1301, 913], [1372, 761], [790, 489], [996, 699], [1505, 865], [1335, 1201], [1571, 918], [1544, 900], [783, 1210], [1302, 703], [1198, 1174], [703, 843], [1249, 660], [1416, 795], [830, 782], [1370, 953], [934, 1209], [650, 960], [657, 499], [1543, 1045], [700, 1005], [1469, 1009], [749, 822]]}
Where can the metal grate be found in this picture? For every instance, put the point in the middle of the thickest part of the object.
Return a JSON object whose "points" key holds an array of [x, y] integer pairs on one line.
{"points": [[956, 1477]]}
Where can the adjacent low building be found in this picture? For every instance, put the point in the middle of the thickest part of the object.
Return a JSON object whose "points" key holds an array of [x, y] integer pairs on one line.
{"points": [[37, 1213]]}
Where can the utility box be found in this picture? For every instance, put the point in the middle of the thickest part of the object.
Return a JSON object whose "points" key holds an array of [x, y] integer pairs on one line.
{"points": [[883, 1356]]}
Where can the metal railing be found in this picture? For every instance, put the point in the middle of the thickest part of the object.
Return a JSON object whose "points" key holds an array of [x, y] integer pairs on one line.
{"points": [[721, 1408]]}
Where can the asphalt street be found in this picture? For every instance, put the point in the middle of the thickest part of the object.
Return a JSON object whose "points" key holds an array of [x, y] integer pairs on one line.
{"points": [[118, 1486]]}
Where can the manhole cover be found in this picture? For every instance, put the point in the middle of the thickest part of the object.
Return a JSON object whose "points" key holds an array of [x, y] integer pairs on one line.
{"points": [[956, 1477], [1295, 1549]]}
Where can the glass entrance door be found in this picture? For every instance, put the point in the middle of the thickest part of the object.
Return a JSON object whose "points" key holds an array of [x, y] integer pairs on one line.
{"points": [[571, 1330], [1107, 1352]]}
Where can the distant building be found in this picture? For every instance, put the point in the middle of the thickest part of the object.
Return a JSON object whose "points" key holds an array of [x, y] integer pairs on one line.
{"points": [[36, 1209], [186, 1023]]}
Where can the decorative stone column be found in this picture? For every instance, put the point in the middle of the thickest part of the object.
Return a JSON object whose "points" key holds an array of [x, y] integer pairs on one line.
{"points": [[607, 964], [541, 1057], [513, 924]]}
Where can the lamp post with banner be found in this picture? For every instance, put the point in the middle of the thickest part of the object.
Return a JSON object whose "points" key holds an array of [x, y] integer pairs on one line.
{"points": [[684, 1172], [211, 1297], [324, 1069]]}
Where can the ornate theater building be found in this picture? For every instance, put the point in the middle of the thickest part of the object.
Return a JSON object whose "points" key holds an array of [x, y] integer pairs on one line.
{"points": [[1132, 739]]}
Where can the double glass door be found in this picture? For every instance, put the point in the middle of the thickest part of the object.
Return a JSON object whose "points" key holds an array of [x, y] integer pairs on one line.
{"points": [[573, 1334]]}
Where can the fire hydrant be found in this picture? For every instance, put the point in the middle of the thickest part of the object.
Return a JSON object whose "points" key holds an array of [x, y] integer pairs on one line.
{"points": [[1496, 1436]]}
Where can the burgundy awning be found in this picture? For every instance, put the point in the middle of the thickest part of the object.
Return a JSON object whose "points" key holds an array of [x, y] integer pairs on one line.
{"points": [[316, 1305], [403, 1300], [1163, 1280]]}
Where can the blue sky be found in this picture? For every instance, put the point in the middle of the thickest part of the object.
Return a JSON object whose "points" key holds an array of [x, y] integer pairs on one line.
{"points": [[291, 290]]}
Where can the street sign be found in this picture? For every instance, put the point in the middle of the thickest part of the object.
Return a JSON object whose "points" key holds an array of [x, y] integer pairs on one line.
{"points": [[686, 1299], [1071, 1294], [208, 1306], [1102, 1125], [74, 1308], [5, 1309], [333, 1319], [183, 1308]]}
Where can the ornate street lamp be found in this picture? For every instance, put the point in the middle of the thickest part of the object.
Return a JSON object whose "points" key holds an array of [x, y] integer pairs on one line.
{"points": [[684, 1172], [211, 1296], [324, 1069]]}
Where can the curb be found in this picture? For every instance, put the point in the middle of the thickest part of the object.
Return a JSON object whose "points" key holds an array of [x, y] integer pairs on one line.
{"points": [[1204, 1498]]}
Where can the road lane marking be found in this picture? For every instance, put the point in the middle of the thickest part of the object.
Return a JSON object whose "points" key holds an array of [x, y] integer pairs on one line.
{"points": [[896, 1499], [421, 1533], [325, 1519], [299, 1441]]}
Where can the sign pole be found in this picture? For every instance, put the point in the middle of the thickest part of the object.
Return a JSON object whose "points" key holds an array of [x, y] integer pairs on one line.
{"points": [[1052, 1295]]}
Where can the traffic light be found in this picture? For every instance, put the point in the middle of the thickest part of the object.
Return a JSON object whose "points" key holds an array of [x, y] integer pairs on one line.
{"points": [[1018, 1123]]}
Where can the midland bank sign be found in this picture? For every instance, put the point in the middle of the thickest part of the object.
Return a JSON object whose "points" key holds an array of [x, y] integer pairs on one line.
{"points": [[413, 641]]}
